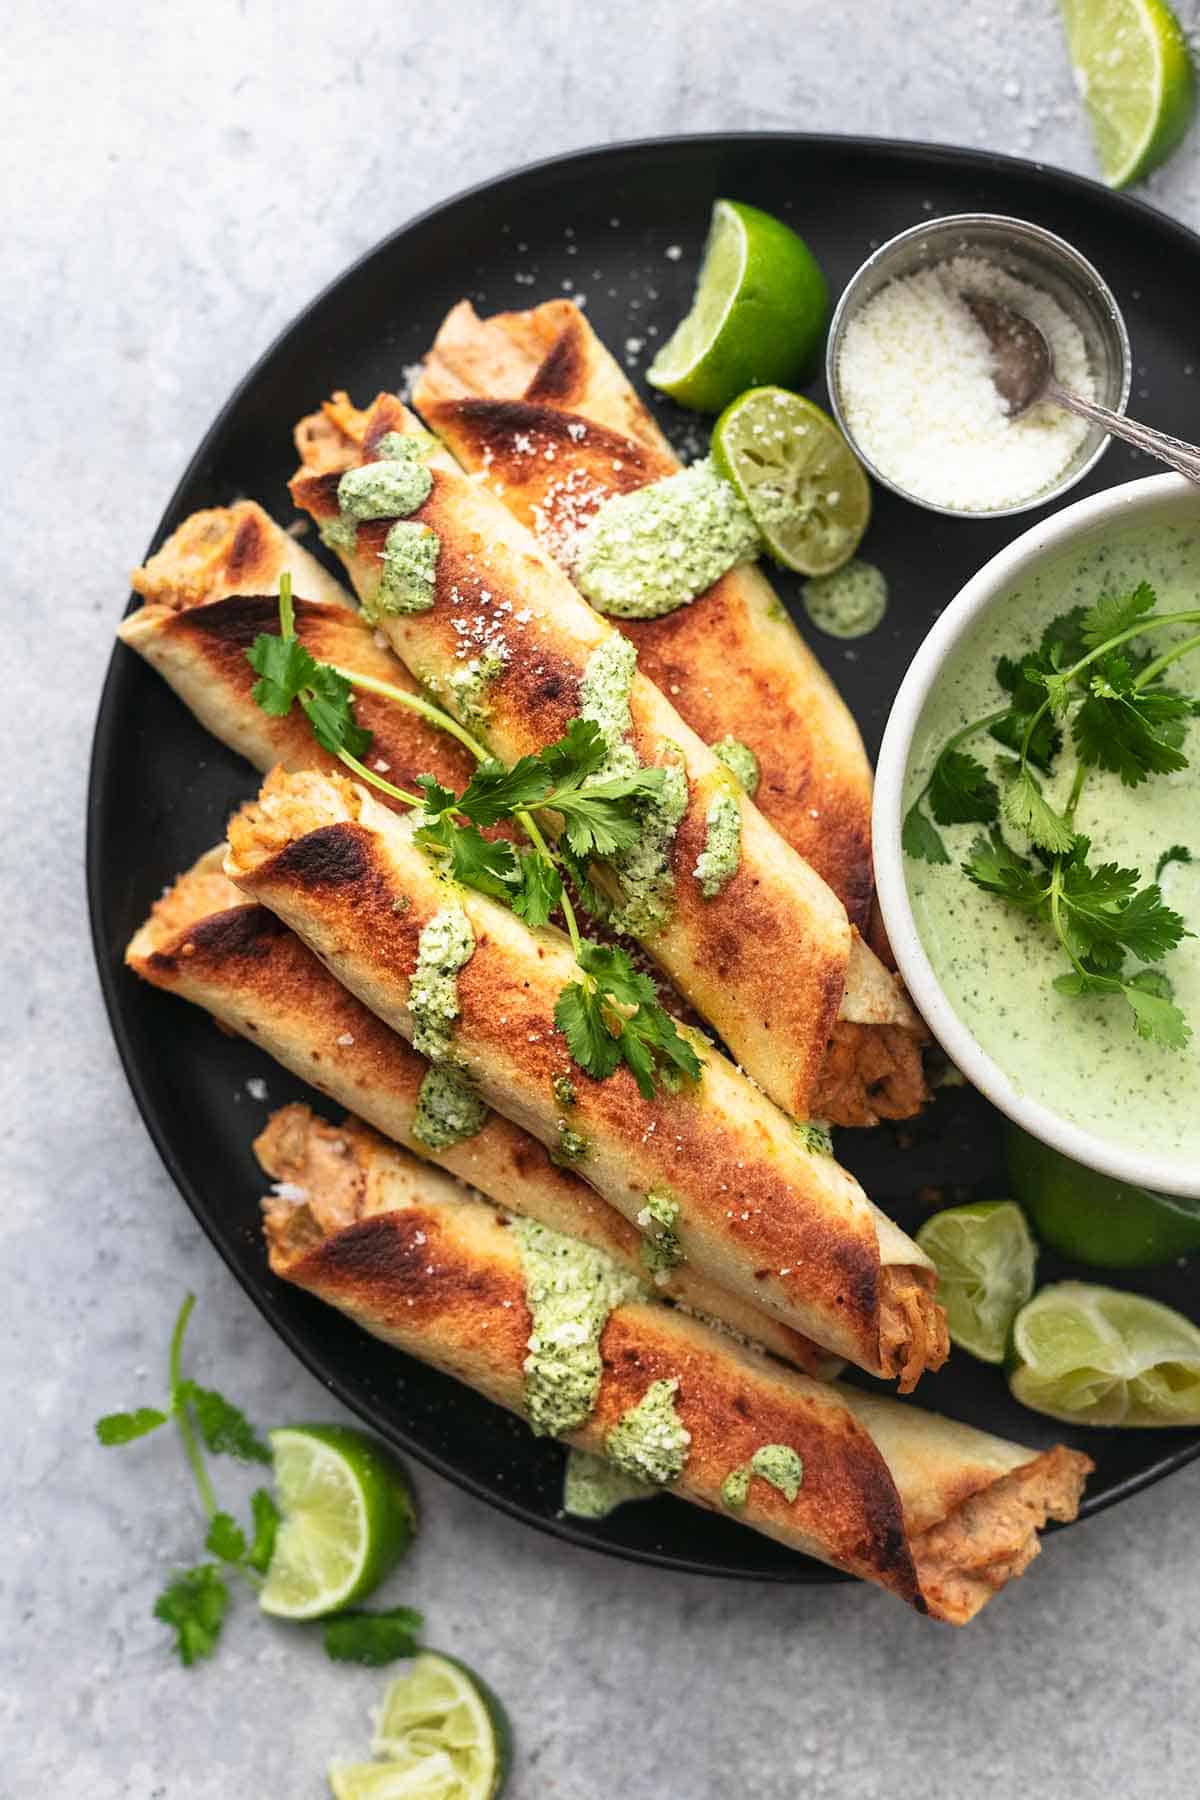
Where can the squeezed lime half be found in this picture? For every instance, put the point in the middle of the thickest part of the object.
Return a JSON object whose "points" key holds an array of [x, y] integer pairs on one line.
{"points": [[985, 1260], [1098, 1356]]}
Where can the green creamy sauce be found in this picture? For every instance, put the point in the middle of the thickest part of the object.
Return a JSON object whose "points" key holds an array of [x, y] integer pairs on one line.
{"points": [[593, 1488], [388, 489], [468, 686], [646, 553], [408, 570], [448, 1110], [848, 603], [649, 1441], [572, 1146], [564, 1090], [570, 1289], [736, 1487], [661, 1251], [446, 945], [717, 863], [779, 1464], [816, 1138], [644, 870], [741, 762], [1080, 1057]]}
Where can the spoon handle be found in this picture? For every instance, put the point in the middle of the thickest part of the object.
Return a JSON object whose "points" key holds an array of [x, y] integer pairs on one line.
{"points": [[1174, 451]]}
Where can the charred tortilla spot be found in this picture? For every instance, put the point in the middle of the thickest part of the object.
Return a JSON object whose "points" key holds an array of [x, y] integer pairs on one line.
{"points": [[241, 931], [563, 372], [249, 544], [331, 856]]}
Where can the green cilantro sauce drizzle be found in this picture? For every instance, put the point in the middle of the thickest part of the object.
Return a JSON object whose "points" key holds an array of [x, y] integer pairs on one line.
{"points": [[779, 1464], [593, 1488], [661, 1249], [469, 684], [649, 1441], [644, 870], [570, 1289], [741, 762], [736, 1486], [717, 863], [572, 1146], [448, 1110], [445, 946], [391, 487], [815, 1137], [647, 553]]}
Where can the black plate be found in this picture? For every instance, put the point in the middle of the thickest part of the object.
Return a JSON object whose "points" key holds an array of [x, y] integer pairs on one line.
{"points": [[603, 223]]}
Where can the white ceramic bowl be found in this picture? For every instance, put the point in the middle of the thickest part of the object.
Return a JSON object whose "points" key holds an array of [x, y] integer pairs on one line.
{"points": [[1165, 498]]}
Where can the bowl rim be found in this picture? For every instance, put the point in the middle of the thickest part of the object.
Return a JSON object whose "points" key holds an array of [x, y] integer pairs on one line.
{"points": [[847, 304], [1116, 507]]}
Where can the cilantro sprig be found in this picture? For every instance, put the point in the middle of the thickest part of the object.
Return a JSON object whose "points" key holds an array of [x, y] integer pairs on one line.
{"points": [[1093, 683], [195, 1601], [610, 1015]]}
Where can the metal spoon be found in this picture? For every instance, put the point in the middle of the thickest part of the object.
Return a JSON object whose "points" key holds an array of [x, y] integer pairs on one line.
{"points": [[1023, 372]]}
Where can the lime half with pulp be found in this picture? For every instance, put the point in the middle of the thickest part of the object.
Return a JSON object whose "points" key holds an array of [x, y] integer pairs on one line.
{"points": [[1093, 1219], [1134, 72], [793, 469], [759, 314], [441, 1734], [347, 1518], [985, 1260], [1097, 1356]]}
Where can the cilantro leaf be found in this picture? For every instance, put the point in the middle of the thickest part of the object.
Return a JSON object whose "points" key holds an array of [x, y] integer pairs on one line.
{"points": [[577, 1014], [373, 1638], [616, 1016], [438, 799], [1026, 809], [961, 792], [193, 1604], [285, 668], [540, 890], [1132, 732], [1114, 613], [226, 1539], [994, 866], [921, 840], [1063, 642], [224, 1427], [1155, 1017], [327, 704], [579, 752], [1178, 853], [485, 864], [265, 1516], [124, 1427], [605, 817], [494, 792]]}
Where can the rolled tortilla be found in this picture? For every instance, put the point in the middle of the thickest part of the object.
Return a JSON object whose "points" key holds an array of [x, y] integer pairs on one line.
{"points": [[205, 942], [495, 585], [534, 402], [937, 1513], [760, 1212], [208, 593]]}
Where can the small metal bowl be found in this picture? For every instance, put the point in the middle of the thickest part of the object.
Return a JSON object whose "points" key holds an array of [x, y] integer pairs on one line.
{"points": [[1032, 255]]}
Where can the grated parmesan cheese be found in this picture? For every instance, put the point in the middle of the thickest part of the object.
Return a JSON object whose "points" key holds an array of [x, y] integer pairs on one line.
{"points": [[915, 374]]}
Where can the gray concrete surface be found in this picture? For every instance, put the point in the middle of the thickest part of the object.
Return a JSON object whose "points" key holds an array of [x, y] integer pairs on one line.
{"points": [[176, 180]]}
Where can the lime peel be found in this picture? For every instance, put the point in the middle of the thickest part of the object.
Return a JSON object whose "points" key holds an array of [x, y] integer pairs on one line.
{"points": [[1134, 71], [985, 1259]]}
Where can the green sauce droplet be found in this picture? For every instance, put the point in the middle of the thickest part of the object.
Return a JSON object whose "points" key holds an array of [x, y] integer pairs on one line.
{"points": [[850, 602]]}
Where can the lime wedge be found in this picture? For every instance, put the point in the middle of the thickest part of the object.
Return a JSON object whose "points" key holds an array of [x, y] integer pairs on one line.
{"points": [[1093, 1219], [1097, 1356], [798, 476], [760, 311], [1135, 74], [348, 1517], [985, 1260], [441, 1735]]}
